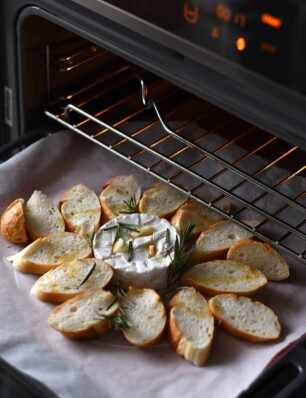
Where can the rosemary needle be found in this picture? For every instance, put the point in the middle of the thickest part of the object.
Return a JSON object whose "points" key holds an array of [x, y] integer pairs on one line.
{"points": [[88, 275], [131, 206]]}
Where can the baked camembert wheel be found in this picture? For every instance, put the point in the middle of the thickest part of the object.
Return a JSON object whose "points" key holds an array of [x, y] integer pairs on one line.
{"points": [[137, 246]]}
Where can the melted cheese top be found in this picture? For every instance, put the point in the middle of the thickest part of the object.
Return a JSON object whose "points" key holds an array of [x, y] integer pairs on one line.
{"points": [[136, 246]]}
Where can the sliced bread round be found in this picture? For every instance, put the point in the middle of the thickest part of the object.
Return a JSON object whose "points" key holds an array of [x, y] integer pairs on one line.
{"points": [[224, 276], [42, 217], [195, 213], [214, 242], [261, 256], [46, 253], [146, 316], [117, 193], [13, 226], [85, 315], [81, 210], [68, 280], [245, 318], [191, 326], [161, 200]]}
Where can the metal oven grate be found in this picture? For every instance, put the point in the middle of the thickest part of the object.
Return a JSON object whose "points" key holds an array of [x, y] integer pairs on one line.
{"points": [[197, 148]]}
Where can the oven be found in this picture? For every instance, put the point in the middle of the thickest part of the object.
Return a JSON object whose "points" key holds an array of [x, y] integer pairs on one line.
{"points": [[204, 96]]}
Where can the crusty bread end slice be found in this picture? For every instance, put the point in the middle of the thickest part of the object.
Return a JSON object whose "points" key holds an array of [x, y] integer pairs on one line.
{"points": [[215, 241], [261, 256], [85, 315], [245, 318], [42, 217], [13, 226], [224, 276], [161, 200], [46, 253], [191, 326], [68, 280], [116, 193], [81, 210], [145, 315]]}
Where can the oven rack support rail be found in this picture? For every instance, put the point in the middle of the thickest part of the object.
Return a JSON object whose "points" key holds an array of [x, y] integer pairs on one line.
{"points": [[267, 218]]}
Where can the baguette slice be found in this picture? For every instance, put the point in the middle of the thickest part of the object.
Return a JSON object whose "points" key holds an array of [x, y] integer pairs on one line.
{"points": [[81, 210], [146, 315], [198, 215], [261, 256], [68, 280], [13, 223], [161, 200], [214, 242], [245, 318], [85, 315], [224, 276], [46, 253], [116, 192], [191, 326], [42, 217]]}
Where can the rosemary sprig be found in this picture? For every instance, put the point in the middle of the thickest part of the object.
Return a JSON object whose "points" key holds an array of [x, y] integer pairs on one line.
{"points": [[88, 275], [122, 227], [118, 321], [131, 206], [181, 254]]}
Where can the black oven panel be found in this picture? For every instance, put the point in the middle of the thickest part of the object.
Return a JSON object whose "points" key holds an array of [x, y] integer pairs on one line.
{"points": [[266, 37]]}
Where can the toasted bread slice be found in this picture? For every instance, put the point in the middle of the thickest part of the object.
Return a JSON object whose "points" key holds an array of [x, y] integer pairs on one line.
{"points": [[224, 276], [81, 210], [261, 256], [85, 315], [215, 241], [245, 318], [191, 326], [146, 316], [161, 200], [46, 253], [13, 226], [70, 279], [195, 213], [117, 193], [42, 217]]}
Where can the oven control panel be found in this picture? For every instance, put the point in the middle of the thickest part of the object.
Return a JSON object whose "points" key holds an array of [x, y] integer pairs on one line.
{"points": [[266, 37]]}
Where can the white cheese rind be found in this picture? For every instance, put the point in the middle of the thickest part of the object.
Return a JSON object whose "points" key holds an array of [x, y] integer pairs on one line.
{"points": [[140, 271]]}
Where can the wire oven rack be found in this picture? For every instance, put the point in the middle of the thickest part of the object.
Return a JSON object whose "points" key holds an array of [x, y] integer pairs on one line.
{"points": [[196, 148]]}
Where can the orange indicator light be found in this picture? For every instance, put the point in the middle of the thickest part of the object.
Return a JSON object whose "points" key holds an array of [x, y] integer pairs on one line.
{"points": [[272, 21], [241, 43]]}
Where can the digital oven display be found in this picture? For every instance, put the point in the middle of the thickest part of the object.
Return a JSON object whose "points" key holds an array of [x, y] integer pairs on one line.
{"points": [[268, 37]]}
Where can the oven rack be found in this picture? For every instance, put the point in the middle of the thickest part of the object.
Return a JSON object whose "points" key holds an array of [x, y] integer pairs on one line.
{"points": [[177, 156]]}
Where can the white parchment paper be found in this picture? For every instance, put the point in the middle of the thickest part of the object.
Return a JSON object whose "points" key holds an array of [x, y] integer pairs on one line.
{"points": [[109, 366]]}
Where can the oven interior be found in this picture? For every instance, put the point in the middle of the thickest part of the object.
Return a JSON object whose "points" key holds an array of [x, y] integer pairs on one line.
{"points": [[67, 81], [181, 139]]}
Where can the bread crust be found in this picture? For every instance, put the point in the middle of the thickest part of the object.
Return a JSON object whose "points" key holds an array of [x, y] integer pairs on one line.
{"points": [[68, 197], [116, 186], [232, 329], [197, 214], [159, 307], [200, 255], [23, 264], [13, 227], [91, 330], [197, 354], [61, 295], [193, 277], [282, 272], [151, 195]]}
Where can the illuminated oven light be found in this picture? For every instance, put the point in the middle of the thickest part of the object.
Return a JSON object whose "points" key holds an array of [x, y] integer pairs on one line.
{"points": [[240, 44], [271, 20]]}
